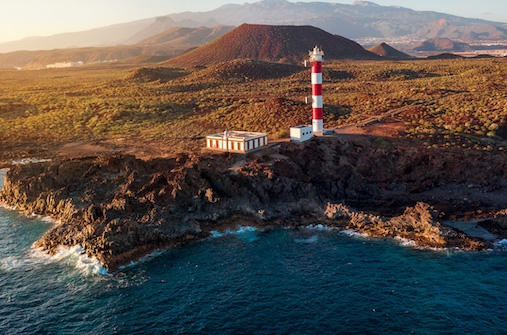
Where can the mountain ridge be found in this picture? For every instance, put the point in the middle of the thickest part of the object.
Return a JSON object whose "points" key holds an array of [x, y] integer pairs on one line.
{"points": [[360, 20], [166, 44]]}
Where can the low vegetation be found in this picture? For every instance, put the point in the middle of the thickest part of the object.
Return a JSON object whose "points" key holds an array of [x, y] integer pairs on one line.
{"points": [[460, 103]]}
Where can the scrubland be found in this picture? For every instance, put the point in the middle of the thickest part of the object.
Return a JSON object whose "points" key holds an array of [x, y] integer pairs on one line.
{"points": [[458, 104]]}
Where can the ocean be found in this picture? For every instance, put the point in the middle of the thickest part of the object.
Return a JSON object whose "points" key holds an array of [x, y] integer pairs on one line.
{"points": [[247, 281]]}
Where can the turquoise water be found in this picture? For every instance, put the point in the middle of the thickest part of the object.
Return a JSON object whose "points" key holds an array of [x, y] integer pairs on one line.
{"points": [[307, 281]]}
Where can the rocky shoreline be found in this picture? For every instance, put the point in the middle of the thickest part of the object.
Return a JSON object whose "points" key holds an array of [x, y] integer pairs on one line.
{"points": [[120, 208]]}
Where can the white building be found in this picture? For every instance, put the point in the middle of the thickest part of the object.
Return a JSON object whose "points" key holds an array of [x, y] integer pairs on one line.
{"points": [[301, 133], [64, 65], [236, 141]]}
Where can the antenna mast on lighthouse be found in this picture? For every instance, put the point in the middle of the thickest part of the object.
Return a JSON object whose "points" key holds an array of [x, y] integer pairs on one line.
{"points": [[316, 56]]}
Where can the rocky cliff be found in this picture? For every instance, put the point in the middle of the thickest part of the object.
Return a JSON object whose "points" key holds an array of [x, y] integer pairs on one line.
{"points": [[119, 208]]}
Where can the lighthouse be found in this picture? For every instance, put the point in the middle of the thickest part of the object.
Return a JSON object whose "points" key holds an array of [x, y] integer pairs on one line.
{"points": [[316, 56]]}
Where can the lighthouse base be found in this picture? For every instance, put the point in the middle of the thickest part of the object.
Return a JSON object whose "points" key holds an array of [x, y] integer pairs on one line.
{"points": [[318, 126]]}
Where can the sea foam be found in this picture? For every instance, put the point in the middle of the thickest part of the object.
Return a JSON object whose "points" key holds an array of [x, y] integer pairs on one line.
{"points": [[76, 257], [144, 259], [313, 239], [501, 244], [351, 233], [245, 233], [319, 227], [405, 242]]}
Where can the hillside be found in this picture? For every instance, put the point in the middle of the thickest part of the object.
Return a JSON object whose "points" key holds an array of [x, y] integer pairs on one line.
{"points": [[388, 52], [442, 44], [167, 44], [85, 55], [286, 44], [17, 59], [450, 29], [189, 37]]}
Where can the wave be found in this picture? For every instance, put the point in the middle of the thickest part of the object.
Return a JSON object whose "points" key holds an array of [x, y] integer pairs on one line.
{"points": [[319, 227], [76, 257], [351, 233], [146, 258], [245, 233], [501, 244], [10, 208], [313, 239], [405, 242], [15, 262], [43, 218]]}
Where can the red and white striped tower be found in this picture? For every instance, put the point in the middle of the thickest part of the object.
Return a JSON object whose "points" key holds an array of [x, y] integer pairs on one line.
{"points": [[316, 60]]}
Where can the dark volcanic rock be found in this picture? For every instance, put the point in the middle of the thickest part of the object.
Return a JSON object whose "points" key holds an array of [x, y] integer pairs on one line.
{"points": [[119, 208]]}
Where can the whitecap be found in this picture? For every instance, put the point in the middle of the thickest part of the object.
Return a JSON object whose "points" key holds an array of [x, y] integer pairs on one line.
{"points": [[244, 230], [501, 244], [216, 234], [313, 239], [245, 233], [405, 242], [129, 265], [27, 261], [76, 257], [9, 263], [143, 259], [320, 227], [48, 219], [90, 266], [351, 233], [8, 207]]}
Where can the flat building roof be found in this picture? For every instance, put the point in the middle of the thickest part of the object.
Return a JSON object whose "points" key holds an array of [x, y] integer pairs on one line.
{"points": [[235, 134]]}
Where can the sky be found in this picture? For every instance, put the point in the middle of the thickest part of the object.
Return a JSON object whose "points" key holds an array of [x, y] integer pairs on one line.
{"points": [[23, 18]]}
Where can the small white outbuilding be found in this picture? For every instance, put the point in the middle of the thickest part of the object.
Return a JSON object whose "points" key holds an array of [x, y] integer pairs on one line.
{"points": [[236, 141], [301, 133]]}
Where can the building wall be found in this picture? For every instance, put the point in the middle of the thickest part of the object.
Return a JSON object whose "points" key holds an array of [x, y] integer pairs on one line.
{"points": [[236, 144], [301, 133]]}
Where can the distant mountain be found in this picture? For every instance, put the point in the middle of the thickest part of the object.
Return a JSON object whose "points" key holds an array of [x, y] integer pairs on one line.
{"points": [[104, 36], [159, 25], [445, 56], [446, 28], [442, 44], [388, 52], [361, 20], [282, 44], [189, 37], [169, 43]]}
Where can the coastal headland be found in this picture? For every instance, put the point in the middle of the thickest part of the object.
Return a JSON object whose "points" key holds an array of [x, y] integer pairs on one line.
{"points": [[120, 208], [417, 151]]}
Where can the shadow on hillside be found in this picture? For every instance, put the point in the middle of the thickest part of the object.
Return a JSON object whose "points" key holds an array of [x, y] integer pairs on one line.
{"points": [[334, 112]]}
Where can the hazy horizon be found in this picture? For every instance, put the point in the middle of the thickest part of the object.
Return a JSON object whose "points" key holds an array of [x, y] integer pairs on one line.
{"points": [[33, 18]]}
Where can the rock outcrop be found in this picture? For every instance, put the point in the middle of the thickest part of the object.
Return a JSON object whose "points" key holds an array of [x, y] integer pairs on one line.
{"points": [[119, 208]]}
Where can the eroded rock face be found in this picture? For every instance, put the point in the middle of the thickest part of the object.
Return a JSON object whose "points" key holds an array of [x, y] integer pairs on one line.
{"points": [[119, 208]]}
